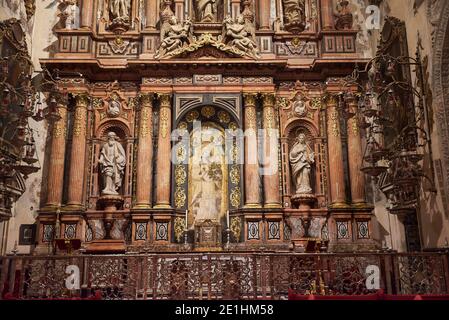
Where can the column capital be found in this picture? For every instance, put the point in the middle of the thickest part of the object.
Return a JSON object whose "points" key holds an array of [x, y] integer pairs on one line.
{"points": [[165, 99], [146, 99], [250, 99], [331, 100], [268, 99], [82, 100]]}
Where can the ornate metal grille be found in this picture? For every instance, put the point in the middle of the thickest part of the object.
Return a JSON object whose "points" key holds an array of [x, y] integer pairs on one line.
{"points": [[223, 275]]}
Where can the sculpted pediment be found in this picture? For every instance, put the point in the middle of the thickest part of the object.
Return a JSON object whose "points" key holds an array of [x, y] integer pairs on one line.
{"points": [[209, 46]]}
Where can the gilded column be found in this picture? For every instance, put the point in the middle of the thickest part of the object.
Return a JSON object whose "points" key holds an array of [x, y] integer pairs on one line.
{"points": [[144, 173], [264, 14], [78, 152], [355, 157], [86, 14], [336, 167], [151, 14], [270, 165], [55, 176], [252, 178], [327, 14], [163, 165]]}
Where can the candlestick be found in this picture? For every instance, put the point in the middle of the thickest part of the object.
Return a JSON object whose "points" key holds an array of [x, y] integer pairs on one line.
{"points": [[187, 213]]}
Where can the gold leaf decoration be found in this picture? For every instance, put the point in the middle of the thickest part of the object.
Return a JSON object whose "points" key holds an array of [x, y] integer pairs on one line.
{"points": [[180, 175], [180, 197], [235, 197], [179, 227], [224, 117], [235, 174], [192, 116], [235, 227], [208, 111]]}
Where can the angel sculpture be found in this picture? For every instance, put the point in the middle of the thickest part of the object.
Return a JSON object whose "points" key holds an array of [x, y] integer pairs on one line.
{"points": [[173, 36], [236, 34]]}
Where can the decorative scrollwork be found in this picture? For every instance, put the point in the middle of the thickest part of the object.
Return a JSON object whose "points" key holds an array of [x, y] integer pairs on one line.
{"points": [[235, 197], [180, 197], [236, 227], [235, 174], [180, 175], [179, 227]]}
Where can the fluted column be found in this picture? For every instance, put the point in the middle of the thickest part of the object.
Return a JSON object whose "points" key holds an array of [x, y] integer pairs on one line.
{"points": [[252, 178], [78, 152], [336, 167], [86, 14], [55, 176], [270, 153], [179, 9], [150, 14], [264, 14], [235, 8], [327, 14], [355, 156], [144, 173], [163, 165]]}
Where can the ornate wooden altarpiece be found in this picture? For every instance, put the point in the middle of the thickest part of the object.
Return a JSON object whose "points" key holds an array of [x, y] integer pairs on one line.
{"points": [[145, 68]]}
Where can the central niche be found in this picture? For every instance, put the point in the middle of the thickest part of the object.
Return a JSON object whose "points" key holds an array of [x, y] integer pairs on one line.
{"points": [[208, 172], [207, 166]]}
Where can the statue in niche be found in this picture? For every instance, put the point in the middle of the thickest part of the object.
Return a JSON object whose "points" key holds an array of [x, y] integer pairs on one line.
{"points": [[299, 106], [236, 34], [207, 10], [112, 165], [301, 159], [207, 179], [294, 15], [174, 36], [114, 106], [119, 10]]}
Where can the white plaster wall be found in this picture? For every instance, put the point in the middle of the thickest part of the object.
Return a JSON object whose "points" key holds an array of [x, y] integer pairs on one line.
{"points": [[39, 38]]}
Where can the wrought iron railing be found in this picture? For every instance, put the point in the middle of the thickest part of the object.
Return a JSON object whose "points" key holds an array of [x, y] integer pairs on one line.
{"points": [[224, 275]]}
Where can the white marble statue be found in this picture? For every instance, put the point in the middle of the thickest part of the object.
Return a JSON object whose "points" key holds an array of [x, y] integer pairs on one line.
{"points": [[114, 107], [112, 165], [299, 106], [207, 179], [301, 159]]}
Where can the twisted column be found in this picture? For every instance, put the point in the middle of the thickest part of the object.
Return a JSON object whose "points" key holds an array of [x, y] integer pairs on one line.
{"points": [[252, 178], [163, 165], [78, 153], [144, 173]]}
